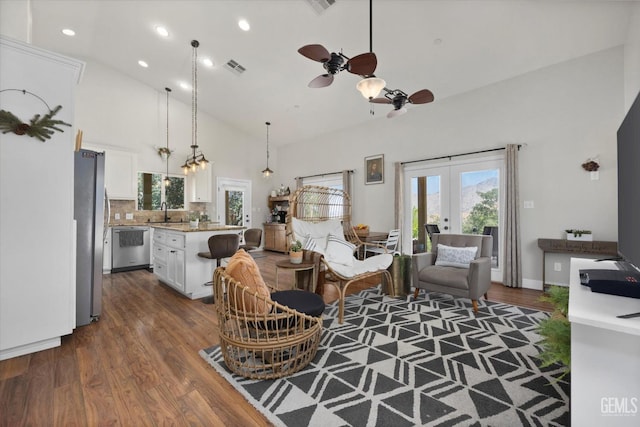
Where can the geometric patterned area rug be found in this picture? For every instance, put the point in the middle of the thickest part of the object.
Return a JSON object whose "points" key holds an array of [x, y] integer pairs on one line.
{"points": [[431, 362]]}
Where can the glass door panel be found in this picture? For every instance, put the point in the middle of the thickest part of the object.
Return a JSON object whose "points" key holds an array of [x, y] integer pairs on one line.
{"points": [[234, 202], [462, 198]]}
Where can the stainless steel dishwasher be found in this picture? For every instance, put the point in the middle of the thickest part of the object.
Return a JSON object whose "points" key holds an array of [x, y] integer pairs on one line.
{"points": [[130, 248]]}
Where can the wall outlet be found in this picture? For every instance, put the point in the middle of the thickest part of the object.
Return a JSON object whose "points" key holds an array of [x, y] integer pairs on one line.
{"points": [[528, 204], [557, 266], [117, 216], [128, 216]]}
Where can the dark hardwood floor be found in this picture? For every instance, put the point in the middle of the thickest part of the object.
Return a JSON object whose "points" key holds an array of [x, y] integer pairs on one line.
{"points": [[139, 365]]}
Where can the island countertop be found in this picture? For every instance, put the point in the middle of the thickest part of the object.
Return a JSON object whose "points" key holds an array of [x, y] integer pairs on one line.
{"points": [[184, 227]]}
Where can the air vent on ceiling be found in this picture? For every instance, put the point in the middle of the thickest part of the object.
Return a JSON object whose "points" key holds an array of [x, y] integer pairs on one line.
{"points": [[235, 67], [321, 5]]}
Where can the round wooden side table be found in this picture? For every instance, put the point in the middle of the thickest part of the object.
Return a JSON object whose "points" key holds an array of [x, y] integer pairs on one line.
{"points": [[305, 266]]}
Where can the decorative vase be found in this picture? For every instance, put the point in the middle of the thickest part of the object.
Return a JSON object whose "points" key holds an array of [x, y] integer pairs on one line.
{"points": [[194, 223], [295, 257]]}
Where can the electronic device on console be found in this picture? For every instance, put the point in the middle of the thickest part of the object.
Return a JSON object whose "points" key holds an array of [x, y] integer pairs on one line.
{"points": [[624, 282]]}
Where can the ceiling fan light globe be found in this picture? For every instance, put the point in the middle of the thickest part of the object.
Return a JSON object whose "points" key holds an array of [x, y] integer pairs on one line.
{"points": [[398, 112], [370, 87]]}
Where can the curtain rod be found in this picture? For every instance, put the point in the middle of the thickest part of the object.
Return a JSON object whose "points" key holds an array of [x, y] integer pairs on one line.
{"points": [[457, 155], [323, 174]]}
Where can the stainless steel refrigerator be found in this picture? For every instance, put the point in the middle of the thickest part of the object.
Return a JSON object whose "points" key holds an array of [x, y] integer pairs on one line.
{"points": [[89, 212]]}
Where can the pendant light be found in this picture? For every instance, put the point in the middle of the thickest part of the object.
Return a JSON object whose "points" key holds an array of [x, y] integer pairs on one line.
{"points": [[167, 181], [197, 157], [267, 172], [370, 86]]}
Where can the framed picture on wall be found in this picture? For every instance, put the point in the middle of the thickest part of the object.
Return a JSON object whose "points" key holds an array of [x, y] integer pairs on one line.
{"points": [[374, 169]]}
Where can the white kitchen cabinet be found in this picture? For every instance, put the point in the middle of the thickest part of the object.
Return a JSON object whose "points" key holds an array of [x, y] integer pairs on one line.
{"points": [[201, 186], [120, 172], [176, 260], [175, 268], [121, 176], [106, 252]]}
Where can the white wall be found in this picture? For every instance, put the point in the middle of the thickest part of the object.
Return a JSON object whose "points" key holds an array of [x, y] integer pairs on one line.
{"points": [[37, 235], [564, 114], [115, 110], [632, 58]]}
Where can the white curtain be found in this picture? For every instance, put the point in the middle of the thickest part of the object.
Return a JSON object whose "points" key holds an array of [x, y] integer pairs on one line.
{"points": [[513, 260], [399, 200]]}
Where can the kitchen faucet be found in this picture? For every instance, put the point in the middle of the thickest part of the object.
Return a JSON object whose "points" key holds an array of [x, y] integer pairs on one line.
{"points": [[163, 206]]}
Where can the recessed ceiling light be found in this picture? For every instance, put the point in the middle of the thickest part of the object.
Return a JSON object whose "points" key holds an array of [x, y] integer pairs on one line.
{"points": [[437, 41], [184, 85], [208, 62], [162, 31], [68, 32], [244, 25], [143, 64]]}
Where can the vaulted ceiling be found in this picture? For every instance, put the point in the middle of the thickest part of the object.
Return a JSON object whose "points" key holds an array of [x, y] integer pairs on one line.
{"points": [[449, 47]]}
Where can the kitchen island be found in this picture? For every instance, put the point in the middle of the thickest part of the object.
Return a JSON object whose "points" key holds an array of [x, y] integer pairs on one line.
{"points": [[175, 256]]}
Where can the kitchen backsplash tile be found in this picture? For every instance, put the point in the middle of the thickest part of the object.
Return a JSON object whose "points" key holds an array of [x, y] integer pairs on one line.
{"points": [[123, 207]]}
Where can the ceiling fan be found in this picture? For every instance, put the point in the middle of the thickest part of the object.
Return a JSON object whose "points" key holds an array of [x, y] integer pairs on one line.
{"points": [[363, 64], [399, 98]]}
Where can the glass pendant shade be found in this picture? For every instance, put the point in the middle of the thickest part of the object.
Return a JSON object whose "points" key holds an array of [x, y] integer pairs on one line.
{"points": [[370, 87]]}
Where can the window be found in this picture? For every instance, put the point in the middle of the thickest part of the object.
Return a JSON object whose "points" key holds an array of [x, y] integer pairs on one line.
{"points": [[152, 192], [333, 180]]}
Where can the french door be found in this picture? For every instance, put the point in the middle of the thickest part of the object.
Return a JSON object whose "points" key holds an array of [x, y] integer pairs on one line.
{"points": [[234, 202], [463, 197]]}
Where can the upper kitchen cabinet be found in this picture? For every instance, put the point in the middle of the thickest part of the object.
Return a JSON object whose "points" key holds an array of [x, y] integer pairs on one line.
{"points": [[201, 186], [121, 177], [120, 172]]}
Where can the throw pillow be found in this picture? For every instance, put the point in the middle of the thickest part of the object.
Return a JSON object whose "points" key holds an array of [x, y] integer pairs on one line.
{"points": [[318, 231], [339, 251], [450, 256], [311, 245], [244, 270]]}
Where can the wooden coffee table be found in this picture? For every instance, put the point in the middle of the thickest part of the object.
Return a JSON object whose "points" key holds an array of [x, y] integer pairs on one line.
{"points": [[307, 267]]}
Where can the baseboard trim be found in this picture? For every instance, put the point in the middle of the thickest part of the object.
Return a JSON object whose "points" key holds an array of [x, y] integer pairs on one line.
{"points": [[29, 348]]}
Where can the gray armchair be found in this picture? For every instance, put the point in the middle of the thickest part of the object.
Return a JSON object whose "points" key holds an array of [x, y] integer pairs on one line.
{"points": [[471, 282]]}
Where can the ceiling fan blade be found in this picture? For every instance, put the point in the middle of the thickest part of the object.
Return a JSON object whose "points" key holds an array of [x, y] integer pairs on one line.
{"points": [[380, 101], [322, 80], [364, 64], [394, 113], [315, 52], [421, 97]]}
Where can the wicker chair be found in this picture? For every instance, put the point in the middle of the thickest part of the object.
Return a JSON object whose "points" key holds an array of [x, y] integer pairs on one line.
{"points": [[262, 346], [316, 204]]}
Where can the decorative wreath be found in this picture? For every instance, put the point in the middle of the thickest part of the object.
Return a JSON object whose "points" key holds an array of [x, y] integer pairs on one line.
{"points": [[41, 127]]}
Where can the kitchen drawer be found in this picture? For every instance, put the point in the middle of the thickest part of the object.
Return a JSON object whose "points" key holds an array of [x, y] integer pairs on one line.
{"points": [[160, 270], [175, 240], [159, 253], [159, 236]]}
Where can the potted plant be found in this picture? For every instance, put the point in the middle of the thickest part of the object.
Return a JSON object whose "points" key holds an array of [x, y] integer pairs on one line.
{"points": [[295, 252], [556, 330], [194, 219], [573, 234]]}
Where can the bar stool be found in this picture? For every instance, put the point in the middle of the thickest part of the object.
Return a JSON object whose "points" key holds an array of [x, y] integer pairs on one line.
{"points": [[220, 246]]}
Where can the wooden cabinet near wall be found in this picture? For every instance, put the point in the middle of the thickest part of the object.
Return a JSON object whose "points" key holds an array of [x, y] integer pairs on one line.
{"points": [[275, 237]]}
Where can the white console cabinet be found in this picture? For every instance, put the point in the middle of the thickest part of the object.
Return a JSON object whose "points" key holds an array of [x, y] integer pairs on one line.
{"points": [[605, 354]]}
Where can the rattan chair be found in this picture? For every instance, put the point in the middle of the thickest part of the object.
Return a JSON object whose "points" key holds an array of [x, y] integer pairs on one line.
{"points": [[316, 204], [262, 346]]}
